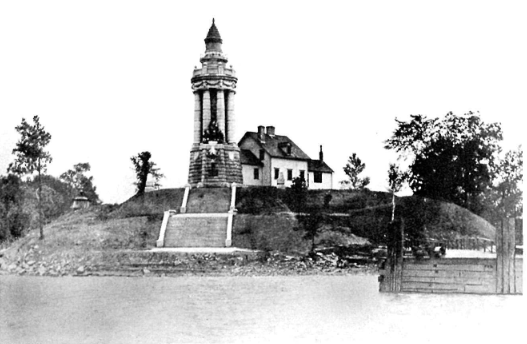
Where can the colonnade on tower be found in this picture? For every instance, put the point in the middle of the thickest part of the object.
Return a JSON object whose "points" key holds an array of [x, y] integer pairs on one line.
{"points": [[215, 156]]}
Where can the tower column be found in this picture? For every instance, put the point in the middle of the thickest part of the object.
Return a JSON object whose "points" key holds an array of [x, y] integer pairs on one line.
{"points": [[206, 110], [230, 118], [197, 118], [220, 111]]}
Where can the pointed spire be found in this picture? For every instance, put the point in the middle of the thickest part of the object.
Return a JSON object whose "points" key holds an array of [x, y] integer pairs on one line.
{"points": [[213, 35]]}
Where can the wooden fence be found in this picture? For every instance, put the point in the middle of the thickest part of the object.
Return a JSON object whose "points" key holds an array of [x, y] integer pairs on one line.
{"points": [[500, 275]]}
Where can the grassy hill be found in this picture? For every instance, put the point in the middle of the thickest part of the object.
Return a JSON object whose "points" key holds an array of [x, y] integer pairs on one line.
{"points": [[266, 220]]}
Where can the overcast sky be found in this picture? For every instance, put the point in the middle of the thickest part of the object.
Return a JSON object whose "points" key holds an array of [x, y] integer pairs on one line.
{"points": [[110, 79]]}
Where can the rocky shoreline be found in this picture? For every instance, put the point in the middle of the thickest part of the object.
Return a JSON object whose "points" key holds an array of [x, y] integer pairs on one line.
{"points": [[148, 263]]}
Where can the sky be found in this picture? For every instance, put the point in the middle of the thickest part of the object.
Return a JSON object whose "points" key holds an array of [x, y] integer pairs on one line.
{"points": [[110, 79]]}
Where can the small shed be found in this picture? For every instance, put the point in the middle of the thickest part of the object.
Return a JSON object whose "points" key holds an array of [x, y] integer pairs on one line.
{"points": [[80, 202]]}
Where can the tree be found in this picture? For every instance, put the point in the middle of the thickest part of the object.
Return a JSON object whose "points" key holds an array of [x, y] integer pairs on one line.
{"points": [[505, 199], [452, 159], [79, 182], [298, 194], [353, 168], [31, 157], [13, 219], [396, 179], [312, 225], [143, 167]]}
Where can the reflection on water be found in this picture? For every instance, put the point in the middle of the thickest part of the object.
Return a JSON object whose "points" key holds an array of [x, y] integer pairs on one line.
{"points": [[303, 309]]}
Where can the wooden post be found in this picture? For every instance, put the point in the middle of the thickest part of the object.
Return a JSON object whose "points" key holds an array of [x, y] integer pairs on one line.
{"points": [[392, 273], [505, 249]]}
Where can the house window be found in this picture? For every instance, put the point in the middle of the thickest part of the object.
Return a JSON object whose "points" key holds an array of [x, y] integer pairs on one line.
{"points": [[289, 174], [256, 173], [276, 173], [302, 174], [317, 177], [262, 154], [213, 170], [288, 149]]}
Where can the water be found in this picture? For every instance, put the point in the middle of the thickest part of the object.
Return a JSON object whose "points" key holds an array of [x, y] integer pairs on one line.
{"points": [[290, 309]]}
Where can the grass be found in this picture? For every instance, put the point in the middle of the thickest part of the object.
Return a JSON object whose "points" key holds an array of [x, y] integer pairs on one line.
{"points": [[264, 222]]}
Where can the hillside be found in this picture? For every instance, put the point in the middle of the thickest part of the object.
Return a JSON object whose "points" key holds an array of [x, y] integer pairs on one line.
{"points": [[265, 221]]}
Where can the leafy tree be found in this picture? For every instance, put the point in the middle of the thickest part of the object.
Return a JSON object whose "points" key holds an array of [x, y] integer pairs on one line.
{"points": [[396, 179], [143, 167], [505, 199], [79, 182], [452, 159], [353, 168], [13, 219], [298, 194], [56, 196], [31, 157]]}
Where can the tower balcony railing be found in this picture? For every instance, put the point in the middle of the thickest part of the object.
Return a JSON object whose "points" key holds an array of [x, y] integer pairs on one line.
{"points": [[215, 54], [214, 70]]}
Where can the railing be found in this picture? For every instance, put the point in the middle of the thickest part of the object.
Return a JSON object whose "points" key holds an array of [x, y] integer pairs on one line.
{"points": [[476, 244]]}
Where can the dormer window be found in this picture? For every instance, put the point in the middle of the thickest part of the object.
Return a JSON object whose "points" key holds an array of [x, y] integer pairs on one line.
{"points": [[285, 147]]}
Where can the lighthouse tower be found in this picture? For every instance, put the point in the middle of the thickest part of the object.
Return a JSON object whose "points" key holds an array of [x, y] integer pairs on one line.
{"points": [[214, 156]]}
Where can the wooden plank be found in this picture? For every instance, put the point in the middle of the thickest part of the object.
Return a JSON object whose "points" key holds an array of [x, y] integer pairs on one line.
{"points": [[435, 286], [481, 289], [437, 273], [499, 258], [441, 267], [452, 261], [511, 250], [482, 279], [506, 257]]}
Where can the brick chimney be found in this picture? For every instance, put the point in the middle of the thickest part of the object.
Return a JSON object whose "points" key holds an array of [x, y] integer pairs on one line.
{"points": [[270, 130], [321, 154], [261, 133]]}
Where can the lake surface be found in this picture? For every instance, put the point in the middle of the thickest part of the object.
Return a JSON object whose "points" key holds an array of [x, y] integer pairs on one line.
{"points": [[270, 309]]}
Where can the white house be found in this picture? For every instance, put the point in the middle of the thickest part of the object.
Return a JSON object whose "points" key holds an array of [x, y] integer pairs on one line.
{"points": [[267, 159]]}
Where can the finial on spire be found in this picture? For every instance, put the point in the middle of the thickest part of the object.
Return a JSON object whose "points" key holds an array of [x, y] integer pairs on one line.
{"points": [[212, 21]]}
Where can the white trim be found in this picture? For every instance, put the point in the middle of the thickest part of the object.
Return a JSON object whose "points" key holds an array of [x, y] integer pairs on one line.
{"points": [[161, 240], [183, 208]]}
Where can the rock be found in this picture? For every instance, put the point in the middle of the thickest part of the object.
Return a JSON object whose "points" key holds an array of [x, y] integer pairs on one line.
{"points": [[80, 270], [12, 267], [31, 262], [41, 270], [146, 271]]}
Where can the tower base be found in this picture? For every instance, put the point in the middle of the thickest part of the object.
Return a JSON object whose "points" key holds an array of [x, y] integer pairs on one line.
{"points": [[214, 165]]}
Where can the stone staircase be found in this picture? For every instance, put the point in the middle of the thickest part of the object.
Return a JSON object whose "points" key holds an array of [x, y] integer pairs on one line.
{"points": [[196, 231], [204, 219]]}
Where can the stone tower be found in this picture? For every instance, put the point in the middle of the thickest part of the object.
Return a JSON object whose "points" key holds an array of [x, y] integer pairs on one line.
{"points": [[214, 156]]}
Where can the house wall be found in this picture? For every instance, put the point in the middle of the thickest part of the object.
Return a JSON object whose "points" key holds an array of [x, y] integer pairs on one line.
{"points": [[248, 175], [284, 165], [265, 173], [327, 181]]}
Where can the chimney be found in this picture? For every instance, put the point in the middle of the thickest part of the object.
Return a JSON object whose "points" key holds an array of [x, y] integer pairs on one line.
{"points": [[261, 133], [321, 154], [270, 130]]}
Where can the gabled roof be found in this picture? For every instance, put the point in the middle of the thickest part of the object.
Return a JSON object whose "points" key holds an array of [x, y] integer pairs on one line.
{"points": [[276, 146], [248, 158], [318, 166]]}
